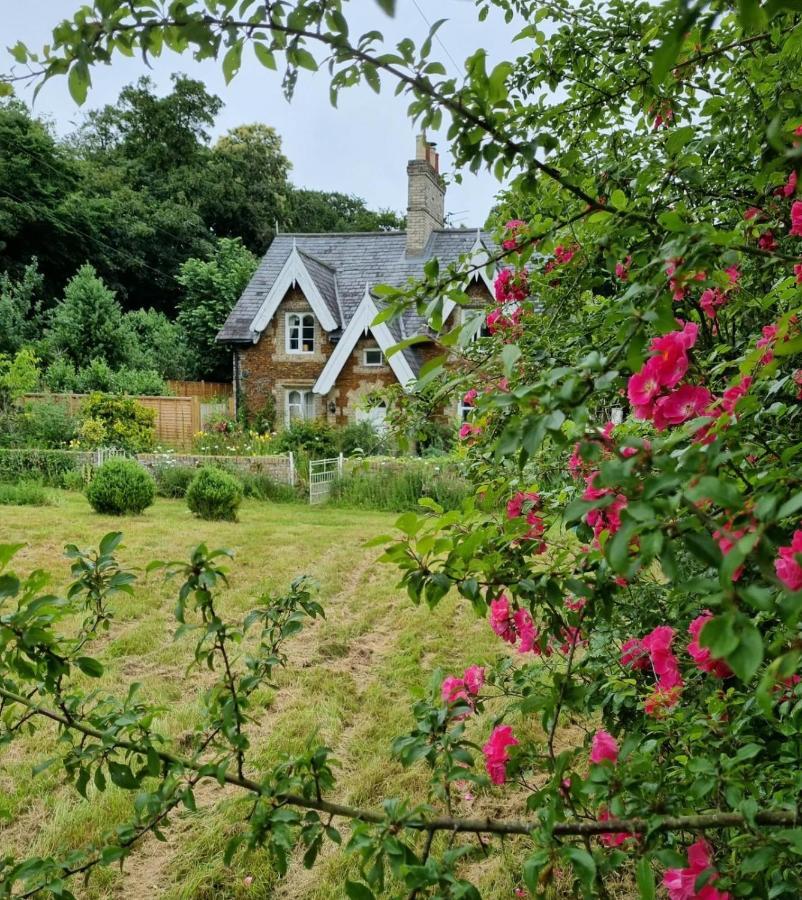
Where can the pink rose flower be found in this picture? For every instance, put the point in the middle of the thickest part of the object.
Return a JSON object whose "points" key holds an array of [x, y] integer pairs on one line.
{"points": [[501, 619], [796, 218], [512, 227], [634, 655], [704, 659], [681, 883], [787, 567], [495, 751], [687, 402], [767, 242], [604, 746]]}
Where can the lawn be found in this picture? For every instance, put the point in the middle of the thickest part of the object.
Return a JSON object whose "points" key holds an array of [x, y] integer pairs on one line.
{"points": [[350, 685]]}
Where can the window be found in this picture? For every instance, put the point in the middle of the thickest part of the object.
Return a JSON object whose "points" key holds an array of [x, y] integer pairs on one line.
{"points": [[300, 405], [469, 317], [465, 409], [300, 333], [372, 356]]}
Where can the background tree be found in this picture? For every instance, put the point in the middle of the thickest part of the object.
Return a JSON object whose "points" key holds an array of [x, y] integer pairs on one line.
{"points": [[88, 322], [211, 287]]}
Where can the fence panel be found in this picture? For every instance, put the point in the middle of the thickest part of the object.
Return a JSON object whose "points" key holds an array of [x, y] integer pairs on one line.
{"points": [[206, 390], [322, 474]]}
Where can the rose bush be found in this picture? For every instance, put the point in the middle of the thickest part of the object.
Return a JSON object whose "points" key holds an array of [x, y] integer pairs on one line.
{"points": [[651, 264]]}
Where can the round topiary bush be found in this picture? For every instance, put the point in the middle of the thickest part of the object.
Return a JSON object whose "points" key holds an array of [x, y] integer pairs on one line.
{"points": [[214, 494], [121, 487]]}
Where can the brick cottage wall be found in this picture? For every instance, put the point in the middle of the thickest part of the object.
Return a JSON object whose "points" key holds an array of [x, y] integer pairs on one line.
{"points": [[267, 370], [356, 381]]}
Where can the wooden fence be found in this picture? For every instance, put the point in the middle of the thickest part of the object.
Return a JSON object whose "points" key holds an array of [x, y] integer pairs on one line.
{"points": [[177, 418], [208, 390]]}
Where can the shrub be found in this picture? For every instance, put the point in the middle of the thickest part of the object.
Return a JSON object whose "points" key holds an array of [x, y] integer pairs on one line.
{"points": [[311, 436], [361, 438], [47, 466], [214, 494], [118, 422], [121, 487], [47, 424], [263, 487], [77, 479], [173, 481], [23, 493]]}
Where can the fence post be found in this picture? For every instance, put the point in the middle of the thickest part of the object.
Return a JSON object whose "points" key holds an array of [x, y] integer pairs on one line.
{"points": [[340, 467], [292, 468]]}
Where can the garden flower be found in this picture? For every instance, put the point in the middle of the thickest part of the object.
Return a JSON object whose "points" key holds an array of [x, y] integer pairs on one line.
{"points": [[564, 255], [798, 272], [634, 655], [766, 342], [511, 286], [704, 659], [622, 269], [495, 751], [766, 241], [644, 386], [512, 227], [711, 300], [613, 838], [796, 218], [752, 212], [470, 397], [465, 689], [467, 430], [515, 504], [687, 402], [787, 567], [681, 883], [797, 376], [501, 619], [604, 746], [526, 630], [732, 395]]}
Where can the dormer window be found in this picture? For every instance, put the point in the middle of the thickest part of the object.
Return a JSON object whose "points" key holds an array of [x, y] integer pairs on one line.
{"points": [[372, 356], [300, 333]]}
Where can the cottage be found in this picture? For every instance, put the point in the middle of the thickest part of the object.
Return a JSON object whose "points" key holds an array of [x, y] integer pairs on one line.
{"points": [[302, 332]]}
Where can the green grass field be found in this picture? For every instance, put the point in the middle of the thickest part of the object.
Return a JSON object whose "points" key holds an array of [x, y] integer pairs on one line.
{"points": [[350, 685]]}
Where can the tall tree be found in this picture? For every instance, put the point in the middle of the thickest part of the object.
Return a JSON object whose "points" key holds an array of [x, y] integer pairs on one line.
{"points": [[313, 211], [211, 288]]}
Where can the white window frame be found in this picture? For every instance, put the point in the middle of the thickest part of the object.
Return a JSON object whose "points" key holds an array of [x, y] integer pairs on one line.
{"points": [[372, 365], [464, 411], [479, 313], [302, 317], [305, 405]]}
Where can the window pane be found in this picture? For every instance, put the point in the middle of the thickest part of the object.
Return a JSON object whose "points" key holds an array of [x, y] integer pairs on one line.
{"points": [[309, 412], [373, 357], [294, 408], [308, 334], [294, 328]]}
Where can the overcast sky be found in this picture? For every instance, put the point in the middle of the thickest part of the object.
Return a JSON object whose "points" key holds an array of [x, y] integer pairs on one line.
{"points": [[359, 148]]}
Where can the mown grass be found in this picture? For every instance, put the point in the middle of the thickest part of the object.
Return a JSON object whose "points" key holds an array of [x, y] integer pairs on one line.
{"points": [[350, 685]]}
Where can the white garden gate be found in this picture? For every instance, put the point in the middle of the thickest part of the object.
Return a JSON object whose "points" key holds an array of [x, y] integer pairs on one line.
{"points": [[322, 474]]}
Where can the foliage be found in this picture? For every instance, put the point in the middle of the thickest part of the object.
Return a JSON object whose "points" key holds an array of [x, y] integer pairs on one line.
{"points": [[228, 438], [20, 301], [88, 322], [157, 345], [50, 467], [46, 424], [121, 487], [211, 287], [415, 420], [653, 150], [322, 211], [398, 485], [18, 376], [62, 377], [214, 494], [110, 421], [173, 481], [263, 487], [312, 436], [360, 439], [23, 493]]}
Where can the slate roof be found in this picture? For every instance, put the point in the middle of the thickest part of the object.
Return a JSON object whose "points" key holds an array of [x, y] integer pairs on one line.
{"points": [[341, 265]]}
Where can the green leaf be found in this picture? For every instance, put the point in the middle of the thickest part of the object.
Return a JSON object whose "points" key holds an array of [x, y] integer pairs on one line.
{"points": [[122, 776], [387, 6], [265, 56], [644, 876], [356, 891], [232, 61], [748, 655], [111, 542], [78, 82], [304, 59], [89, 666], [509, 356], [583, 864]]}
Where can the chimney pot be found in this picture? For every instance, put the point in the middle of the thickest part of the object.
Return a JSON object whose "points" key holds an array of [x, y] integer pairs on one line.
{"points": [[426, 203]]}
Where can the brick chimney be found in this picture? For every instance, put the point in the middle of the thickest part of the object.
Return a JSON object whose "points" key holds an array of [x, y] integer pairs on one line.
{"points": [[425, 209]]}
